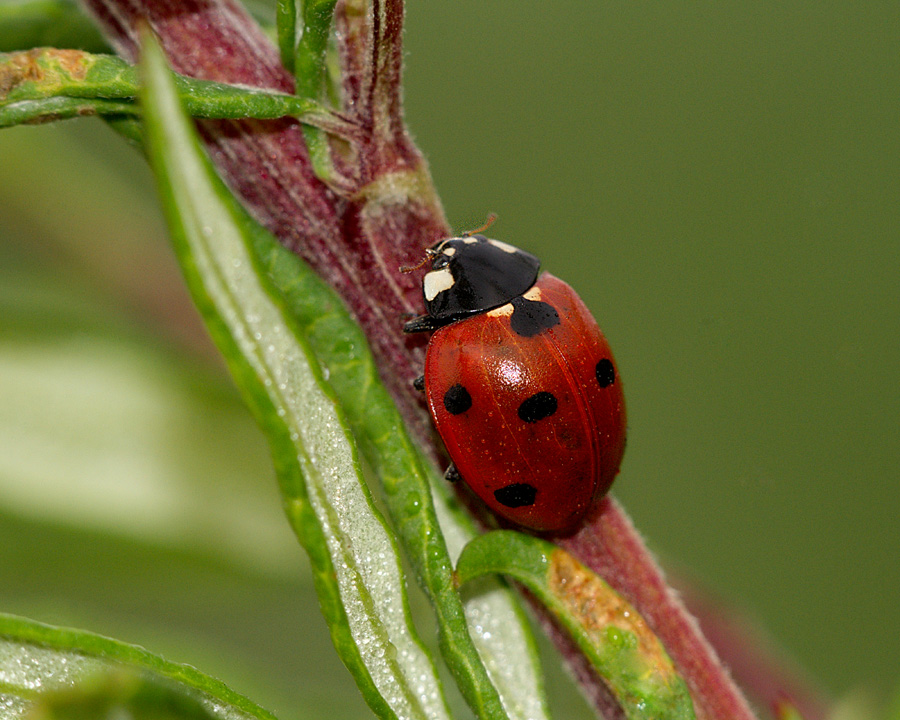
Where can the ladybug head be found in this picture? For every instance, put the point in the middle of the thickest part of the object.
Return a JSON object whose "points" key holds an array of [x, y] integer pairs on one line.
{"points": [[472, 274]]}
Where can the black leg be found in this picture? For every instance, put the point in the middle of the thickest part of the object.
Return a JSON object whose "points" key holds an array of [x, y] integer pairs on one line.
{"points": [[419, 383], [422, 323], [452, 474]]}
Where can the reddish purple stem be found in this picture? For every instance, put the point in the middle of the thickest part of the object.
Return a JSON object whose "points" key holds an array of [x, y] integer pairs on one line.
{"points": [[355, 244], [357, 239]]}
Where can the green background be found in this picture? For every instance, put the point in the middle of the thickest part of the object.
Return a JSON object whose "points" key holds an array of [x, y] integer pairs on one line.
{"points": [[720, 182]]}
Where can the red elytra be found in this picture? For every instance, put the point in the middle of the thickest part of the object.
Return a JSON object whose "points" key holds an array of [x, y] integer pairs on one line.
{"points": [[534, 423]]}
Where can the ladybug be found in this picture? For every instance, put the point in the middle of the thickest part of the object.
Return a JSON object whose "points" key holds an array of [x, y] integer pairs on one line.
{"points": [[520, 383]]}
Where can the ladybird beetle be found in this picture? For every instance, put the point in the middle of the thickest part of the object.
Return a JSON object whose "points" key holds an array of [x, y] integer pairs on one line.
{"points": [[520, 383]]}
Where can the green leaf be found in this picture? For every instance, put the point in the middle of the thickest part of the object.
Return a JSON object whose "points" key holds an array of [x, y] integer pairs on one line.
{"points": [[613, 636], [355, 563], [497, 622], [36, 659], [311, 46], [501, 633], [304, 33], [137, 494], [286, 28], [121, 695], [303, 36], [58, 23], [47, 84], [86, 403]]}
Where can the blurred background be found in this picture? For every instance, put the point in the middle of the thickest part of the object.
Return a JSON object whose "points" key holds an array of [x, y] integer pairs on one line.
{"points": [[721, 184]]}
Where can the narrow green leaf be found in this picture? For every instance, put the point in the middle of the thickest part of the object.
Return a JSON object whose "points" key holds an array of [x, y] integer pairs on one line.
{"points": [[59, 108], [128, 127], [305, 35], [613, 636], [88, 401], [500, 631], [58, 23], [37, 658], [497, 621], [48, 84], [355, 563], [122, 695], [286, 27], [311, 46]]}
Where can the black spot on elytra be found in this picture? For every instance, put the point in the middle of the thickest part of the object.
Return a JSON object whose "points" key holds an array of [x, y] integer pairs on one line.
{"points": [[516, 495], [539, 406], [606, 373], [531, 317], [457, 400]]}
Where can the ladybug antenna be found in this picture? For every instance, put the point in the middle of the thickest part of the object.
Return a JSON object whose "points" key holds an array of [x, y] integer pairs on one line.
{"points": [[429, 253], [491, 218]]}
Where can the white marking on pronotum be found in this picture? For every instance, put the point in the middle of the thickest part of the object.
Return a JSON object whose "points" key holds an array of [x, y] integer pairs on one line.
{"points": [[469, 240], [436, 282], [505, 247], [449, 252], [502, 311], [534, 294]]}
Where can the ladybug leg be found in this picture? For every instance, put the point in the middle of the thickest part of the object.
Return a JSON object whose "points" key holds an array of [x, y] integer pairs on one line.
{"points": [[419, 383], [451, 474], [422, 323]]}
